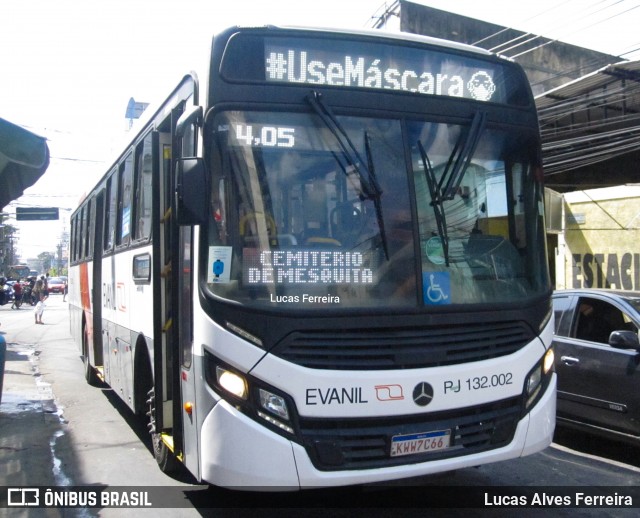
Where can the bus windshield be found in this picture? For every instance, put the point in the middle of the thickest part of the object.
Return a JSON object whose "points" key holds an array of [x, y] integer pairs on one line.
{"points": [[312, 211]]}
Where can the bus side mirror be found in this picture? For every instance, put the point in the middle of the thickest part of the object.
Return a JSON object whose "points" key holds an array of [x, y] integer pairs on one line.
{"points": [[191, 191]]}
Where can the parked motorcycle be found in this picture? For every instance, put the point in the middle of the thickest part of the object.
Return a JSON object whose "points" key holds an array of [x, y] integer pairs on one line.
{"points": [[28, 297]]}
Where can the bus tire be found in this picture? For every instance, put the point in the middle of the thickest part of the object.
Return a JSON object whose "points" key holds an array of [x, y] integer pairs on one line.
{"points": [[143, 380], [165, 459], [90, 373]]}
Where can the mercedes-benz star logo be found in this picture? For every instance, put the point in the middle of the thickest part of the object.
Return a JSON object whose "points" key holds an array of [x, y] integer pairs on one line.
{"points": [[422, 394]]}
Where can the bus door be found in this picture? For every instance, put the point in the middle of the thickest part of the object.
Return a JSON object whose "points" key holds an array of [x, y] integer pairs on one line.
{"points": [[164, 369], [174, 377], [186, 147]]}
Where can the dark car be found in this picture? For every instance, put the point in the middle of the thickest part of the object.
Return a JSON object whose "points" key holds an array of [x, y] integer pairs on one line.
{"points": [[56, 285], [597, 354]]}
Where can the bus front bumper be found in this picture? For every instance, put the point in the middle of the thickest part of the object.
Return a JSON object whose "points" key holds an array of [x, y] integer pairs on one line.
{"points": [[239, 453]]}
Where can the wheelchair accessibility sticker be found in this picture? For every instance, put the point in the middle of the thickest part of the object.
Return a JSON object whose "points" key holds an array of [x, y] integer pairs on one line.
{"points": [[436, 288]]}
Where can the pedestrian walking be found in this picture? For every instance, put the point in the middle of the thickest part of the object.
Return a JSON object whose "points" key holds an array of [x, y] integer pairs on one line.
{"points": [[39, 310], [39, 293], [17, 295]]}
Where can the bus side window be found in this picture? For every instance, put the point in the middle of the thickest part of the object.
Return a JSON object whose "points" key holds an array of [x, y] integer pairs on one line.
{"points": [[143, 189], [83, 233], [124, 201], [92, 228], [74, 239], [110, 216]]}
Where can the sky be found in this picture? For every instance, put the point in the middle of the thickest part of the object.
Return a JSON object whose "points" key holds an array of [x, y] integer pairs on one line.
{"points": [[69, 67]]}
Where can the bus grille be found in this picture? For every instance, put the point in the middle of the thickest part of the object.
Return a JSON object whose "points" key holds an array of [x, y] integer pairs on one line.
{"points": [[375, 349], [342, 444]]}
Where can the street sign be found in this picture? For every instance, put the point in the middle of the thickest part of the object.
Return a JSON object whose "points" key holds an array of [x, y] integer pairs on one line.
{"points": [[36, 213]]}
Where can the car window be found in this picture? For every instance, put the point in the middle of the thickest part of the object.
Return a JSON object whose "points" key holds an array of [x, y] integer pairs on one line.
{"points": [[597, 319], [561, 305]]}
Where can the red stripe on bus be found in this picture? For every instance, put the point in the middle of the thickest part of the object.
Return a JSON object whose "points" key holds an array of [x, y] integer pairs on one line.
{"points": [[84, 286]]}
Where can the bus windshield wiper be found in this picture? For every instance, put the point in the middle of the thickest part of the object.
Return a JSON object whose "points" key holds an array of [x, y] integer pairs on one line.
{"points": [[370, 188], [436, 202], [376, 199], [369, 185], [461, 157], [456, 167]]}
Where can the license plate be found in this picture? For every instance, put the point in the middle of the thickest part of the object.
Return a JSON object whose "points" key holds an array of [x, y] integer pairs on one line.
{"points": [[426, 442]]}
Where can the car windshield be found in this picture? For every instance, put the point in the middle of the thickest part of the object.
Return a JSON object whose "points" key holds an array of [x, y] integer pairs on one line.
{"points": [[634, 302], [313, 212]]}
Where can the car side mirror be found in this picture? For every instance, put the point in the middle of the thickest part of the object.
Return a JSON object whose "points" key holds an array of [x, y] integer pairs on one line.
{"points": [[624, 340]]}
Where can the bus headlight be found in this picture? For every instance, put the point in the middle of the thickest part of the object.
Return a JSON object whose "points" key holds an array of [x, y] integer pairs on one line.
{"points": [[232, 383], [538, 379], [274, 404], [534, 379], [250, 396]]}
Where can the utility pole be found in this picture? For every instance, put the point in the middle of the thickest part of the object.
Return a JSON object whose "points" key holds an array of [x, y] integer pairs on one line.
{"points": [[7, 250], [59, 259]]}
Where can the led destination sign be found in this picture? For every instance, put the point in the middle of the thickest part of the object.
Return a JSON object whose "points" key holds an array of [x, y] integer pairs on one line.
{"points": [[423, 68], [305, 267], [382, 67]]}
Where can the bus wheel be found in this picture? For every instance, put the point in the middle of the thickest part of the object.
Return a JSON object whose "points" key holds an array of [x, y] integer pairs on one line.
{"points": [[90, 373], [164, 457]]}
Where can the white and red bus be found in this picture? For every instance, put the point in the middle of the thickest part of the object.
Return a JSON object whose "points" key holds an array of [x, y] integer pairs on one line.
{"points": [[323, 262]]}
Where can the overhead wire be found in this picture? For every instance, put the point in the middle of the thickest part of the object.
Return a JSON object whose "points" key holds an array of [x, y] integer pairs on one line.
{"points": [[636, 49], [564, 25], [505, 29], [551, 76], [586, 148], [578, 30], [516, 41], [523, 22], [573, 135], [586, 128]]}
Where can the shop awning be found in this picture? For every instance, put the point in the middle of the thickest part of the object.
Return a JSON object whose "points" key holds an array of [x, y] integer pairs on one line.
{"points": [[24, 157]]}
